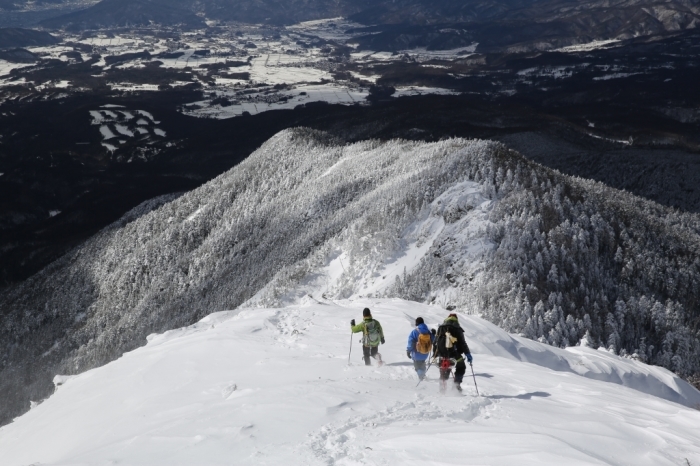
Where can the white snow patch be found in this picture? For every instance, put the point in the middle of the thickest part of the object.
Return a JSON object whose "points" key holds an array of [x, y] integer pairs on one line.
{"points": [[129, 87], [288, 99], [273, 386], [123, 130], [588, 47], [106, 132], [147, 115], [422, 90], [614, 76], [109, 147]]}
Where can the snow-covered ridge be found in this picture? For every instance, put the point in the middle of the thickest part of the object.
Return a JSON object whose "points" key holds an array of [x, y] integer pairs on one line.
{"points": [[462, 224], [273, 386], [261, 230]]}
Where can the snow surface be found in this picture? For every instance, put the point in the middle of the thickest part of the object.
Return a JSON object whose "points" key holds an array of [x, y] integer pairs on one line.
{"points": [[589, 46], [273, 386], [614, 76], [302, 94], [120, 122]]}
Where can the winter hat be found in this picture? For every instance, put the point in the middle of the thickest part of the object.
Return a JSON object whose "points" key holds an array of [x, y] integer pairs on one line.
{"points": [[419, 320], [452, 316], [366, 313]]}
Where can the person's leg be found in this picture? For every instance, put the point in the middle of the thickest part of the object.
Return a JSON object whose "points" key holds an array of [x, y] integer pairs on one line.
{"points": [[460, 369], [419, 366], [445, 368], [365, 352], [376, 355]]}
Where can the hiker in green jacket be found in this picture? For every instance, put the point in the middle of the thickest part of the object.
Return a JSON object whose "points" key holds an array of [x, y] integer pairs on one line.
{"points": [[372, 336]]}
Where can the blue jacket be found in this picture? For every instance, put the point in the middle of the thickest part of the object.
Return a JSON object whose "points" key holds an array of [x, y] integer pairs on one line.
{"points": [[413, 339]]}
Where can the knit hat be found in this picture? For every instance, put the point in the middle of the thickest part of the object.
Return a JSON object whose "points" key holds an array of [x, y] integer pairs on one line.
{"points": [[419, 320], [366, 313]]}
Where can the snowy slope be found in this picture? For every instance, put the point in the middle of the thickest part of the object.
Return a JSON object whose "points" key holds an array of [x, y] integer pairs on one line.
{"points": [[463, 224], [273, 386]]}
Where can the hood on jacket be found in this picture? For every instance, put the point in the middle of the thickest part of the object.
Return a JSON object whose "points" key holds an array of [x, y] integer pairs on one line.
{"points": [[422, 328], [452, 320]]}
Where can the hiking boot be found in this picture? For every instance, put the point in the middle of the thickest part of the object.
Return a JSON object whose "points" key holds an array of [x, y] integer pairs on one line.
{"points": [[458, 386]]}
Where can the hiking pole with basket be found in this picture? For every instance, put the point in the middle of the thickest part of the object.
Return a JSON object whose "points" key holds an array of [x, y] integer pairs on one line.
{"points": [[351, 335], [426, 370], [474, 376]]}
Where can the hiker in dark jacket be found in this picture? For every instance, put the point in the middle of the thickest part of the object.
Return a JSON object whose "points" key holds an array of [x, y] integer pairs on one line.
{"points": [[420, 342], [372, 336], [450, 345]]}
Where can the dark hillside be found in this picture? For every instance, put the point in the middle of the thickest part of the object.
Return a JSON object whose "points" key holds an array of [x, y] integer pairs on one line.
{"points": [[125, 13], [14, 38]]}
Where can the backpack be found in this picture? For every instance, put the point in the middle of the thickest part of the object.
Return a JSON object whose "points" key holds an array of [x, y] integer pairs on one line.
{"points": [[372, 335], [423, 343], [444, 341]]}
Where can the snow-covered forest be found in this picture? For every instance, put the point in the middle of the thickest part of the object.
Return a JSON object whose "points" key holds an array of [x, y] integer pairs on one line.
{"points": [[462, 224]]}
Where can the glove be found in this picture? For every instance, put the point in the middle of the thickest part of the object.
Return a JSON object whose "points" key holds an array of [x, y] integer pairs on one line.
{"points": [[469, 358], [382, 340], [408, 353], [352, 322]]}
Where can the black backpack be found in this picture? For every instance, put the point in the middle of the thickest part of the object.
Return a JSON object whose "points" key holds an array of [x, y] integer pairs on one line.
{"points": [[441, 341]]}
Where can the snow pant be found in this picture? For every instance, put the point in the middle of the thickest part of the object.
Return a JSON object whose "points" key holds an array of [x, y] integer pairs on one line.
{"points": [[419, 366], [460, 369], [369, 351]]}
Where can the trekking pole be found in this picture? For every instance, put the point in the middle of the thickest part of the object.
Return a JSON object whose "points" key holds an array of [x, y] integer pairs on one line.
{"points": [[477, 388], [350, 349], [426, 371]]}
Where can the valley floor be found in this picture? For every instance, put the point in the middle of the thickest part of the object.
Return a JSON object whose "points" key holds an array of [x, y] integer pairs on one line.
{"points": [[273, 386]]}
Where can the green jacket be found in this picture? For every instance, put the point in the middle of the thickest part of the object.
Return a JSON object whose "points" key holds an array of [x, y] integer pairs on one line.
{"points": [[362, 327]]}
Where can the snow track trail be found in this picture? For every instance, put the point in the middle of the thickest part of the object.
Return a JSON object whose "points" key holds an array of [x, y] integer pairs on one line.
{"points": [[273, 386]]}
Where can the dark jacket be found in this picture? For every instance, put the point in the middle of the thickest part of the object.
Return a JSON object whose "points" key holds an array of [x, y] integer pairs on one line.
{"points": [[459, 347]]}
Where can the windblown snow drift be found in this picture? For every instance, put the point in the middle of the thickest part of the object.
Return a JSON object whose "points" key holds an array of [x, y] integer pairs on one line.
{"points": [[464, 224]]}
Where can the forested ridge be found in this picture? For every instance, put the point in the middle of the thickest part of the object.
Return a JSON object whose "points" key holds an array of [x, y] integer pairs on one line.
{"points": [[555, 258], [576, 260]]}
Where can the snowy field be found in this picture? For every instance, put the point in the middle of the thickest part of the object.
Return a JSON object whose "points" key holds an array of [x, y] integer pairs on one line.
{"points": [[244, 63], [117, 125], [273, 386], [261, 102]]}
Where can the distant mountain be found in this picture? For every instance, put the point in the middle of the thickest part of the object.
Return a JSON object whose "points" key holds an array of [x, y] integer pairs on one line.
{"points": [[515, 26], [466, 224], [18, 56], [126, 13], [15, 37], [497, 25], [277, 12]]}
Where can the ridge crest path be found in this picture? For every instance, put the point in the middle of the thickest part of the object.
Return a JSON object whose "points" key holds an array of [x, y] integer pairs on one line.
{"points": [[272, 386]]}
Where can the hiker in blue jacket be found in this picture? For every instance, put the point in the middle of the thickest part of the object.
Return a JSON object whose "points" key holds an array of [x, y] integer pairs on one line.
{"points": [[420, 342]]}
